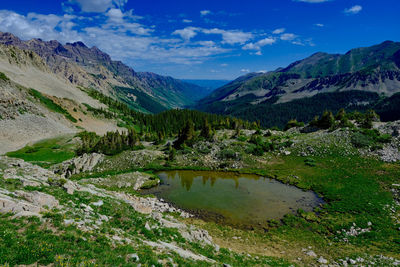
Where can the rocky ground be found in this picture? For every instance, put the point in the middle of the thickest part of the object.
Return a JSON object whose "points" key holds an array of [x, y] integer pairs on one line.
{"points": [[97, 196], [27, 190]]}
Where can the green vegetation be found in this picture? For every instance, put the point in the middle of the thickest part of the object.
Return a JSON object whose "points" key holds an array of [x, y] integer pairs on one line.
{"points": [[51, 105], [293, 123], [47, 152], [110, 144], [3, 77]]}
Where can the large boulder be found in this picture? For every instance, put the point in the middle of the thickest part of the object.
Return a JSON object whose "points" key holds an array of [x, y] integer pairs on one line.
{"points": [[84, 163]]}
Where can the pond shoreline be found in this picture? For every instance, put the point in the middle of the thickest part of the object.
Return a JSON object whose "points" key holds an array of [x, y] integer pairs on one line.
{"points": [[258, 198]]}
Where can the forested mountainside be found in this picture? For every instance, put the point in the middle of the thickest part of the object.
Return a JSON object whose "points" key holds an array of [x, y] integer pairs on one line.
{"points": [[372, 73], [90, 67]]}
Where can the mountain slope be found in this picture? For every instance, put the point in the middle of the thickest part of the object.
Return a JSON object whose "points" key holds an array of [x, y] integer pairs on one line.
{"points": [[36, 104], [374, 69], [90, 67]]}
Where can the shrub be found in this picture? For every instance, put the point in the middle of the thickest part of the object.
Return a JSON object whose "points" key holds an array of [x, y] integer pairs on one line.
{"points": [[384, 138], [310, 162], [360, 140], [242, 138], [293, 123], [3, 77], [327, 120], [227, 154]]}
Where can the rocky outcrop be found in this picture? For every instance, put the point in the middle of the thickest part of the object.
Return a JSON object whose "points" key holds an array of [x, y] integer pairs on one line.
{"points": [[26, 203], [26, 173], [84, 163], [134, 180]]}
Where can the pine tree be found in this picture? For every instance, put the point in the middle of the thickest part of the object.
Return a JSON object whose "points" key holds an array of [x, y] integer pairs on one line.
{"points": [[206, 131], [187, 134]]}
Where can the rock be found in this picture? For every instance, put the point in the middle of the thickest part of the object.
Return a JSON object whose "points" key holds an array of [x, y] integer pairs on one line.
{"points": [[98, 203], [311, 253], [68, 221], [70, 187], [39, 199], [31, 204], [351, 261], [26, 214], [147, 226], [322, 260], [133, 257], [84, 163], [117, 238]]}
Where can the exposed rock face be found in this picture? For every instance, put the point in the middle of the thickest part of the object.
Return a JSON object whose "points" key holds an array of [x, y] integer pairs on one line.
{"points": [[90, 67], [31, 204], [84, 163], [134, 180], [25, 172]]}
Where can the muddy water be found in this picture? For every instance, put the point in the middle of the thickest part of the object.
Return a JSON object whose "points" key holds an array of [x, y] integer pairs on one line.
{"points": [[231, 198]]}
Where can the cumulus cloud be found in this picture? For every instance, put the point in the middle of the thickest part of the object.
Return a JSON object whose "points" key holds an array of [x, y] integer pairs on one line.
{"points": [[288, 36], [187, 21], [319, 25], [258, 45], [131, 42], [186, 33], [205, 12], [96, 6], [230, 36], [38, 26], [279, 31], [353, 10]]}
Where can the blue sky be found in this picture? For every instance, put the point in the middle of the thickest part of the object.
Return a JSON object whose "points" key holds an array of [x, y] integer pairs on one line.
{"points": [[208, 39]]}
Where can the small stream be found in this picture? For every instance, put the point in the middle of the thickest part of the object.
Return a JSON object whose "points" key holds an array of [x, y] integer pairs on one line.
{"points": [[242, 200]]}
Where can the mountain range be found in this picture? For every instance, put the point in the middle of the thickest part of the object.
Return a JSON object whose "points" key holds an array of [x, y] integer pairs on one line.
{"points": [[356, 80], [363, 78], [90, 67]]}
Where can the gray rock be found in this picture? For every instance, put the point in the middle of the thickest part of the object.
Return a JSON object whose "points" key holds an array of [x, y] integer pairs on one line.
{"points": [[311, 253], [322, 260], [133, 257], [84, 163]]}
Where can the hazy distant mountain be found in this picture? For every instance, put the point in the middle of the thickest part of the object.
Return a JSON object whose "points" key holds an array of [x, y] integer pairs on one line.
{"points": [[90, 67], [374, 70], [208, 85]]}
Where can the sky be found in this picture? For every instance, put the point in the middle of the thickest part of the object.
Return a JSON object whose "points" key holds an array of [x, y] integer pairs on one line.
{"points": [[206, 39]]}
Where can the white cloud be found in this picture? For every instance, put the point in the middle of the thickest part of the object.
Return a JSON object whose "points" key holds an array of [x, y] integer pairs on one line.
{"points": [[288, 36], [128, 41], [230, 36], [319, 25], [353, 10], [279, 31], [258, 45], [115, 15], [205, 12], [97, 6], [187, 21], [187, 33], [224, 65], [245, 70]]}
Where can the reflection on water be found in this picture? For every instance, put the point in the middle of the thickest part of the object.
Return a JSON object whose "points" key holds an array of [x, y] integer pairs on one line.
{"points": [[187, 178], [231, 198]]}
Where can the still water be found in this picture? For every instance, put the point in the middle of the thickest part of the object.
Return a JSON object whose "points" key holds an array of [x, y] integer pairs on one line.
{"points": [[237, 199]]}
